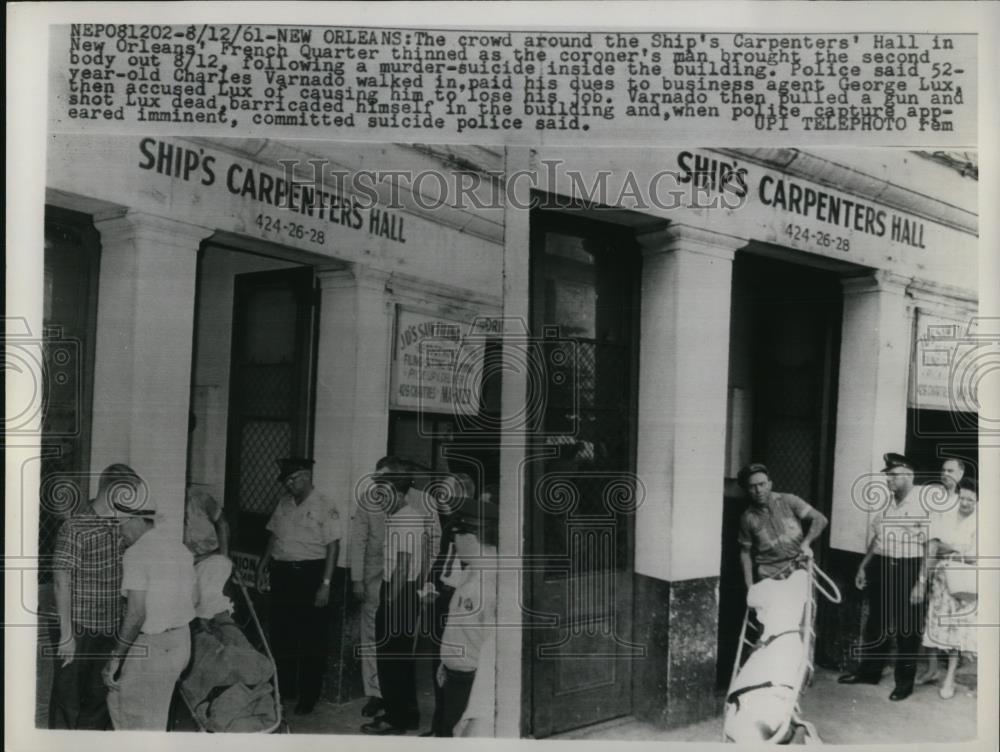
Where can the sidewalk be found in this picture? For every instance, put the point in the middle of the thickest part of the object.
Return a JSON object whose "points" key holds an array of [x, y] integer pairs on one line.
{"points": [[843, 714]]}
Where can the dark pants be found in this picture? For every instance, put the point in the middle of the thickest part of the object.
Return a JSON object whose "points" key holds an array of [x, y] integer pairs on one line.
{"points": [[395, 630], [891, 615], [455, 698], [437, 620], [79, 697], [300, 631]]}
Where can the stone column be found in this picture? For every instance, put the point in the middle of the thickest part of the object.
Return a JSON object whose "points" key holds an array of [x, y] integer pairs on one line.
{"points": [[142, 366], [511, 706], [352, 425], [683, 377], [876, 342]]}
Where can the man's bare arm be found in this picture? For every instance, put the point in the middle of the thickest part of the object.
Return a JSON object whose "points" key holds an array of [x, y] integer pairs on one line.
{"points": [[64, 600]]}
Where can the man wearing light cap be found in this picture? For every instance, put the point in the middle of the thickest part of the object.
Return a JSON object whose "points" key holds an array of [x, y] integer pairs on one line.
{"points": [[302, 550], [897, 544], [154, 642]]}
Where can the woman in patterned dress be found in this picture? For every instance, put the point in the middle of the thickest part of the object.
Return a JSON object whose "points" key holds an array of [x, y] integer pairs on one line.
{"points": [[951, 617]]}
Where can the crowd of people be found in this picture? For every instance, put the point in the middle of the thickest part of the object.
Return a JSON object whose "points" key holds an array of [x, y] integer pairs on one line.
{"points": [[129, 596], [918, 569], [423, 567]]}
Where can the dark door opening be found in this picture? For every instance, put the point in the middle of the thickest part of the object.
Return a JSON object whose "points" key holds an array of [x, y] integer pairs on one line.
{"points": [[272, 376], [71, 260], [932, 436], [584, 278], [784, 353]]}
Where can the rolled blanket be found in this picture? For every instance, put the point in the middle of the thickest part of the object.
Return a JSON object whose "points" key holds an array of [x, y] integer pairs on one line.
{"points": [[221, 656], [241, 708]]}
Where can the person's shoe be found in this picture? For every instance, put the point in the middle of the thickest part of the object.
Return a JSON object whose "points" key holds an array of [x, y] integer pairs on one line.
{"points": [[947, 691], [381, 727], [371, 708], [426, 733], [926, 679], [856, 679], [900, 693]]}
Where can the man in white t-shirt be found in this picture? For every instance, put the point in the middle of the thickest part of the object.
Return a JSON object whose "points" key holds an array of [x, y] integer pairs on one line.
{"points": [[408, 547], [154, 642]]}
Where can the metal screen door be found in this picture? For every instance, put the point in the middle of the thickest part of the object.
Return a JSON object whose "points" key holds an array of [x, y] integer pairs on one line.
{"points": [[580, 481], [270, 395]]}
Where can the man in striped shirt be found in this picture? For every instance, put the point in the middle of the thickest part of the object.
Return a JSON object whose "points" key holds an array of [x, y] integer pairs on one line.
{"points": [[88, 575]]}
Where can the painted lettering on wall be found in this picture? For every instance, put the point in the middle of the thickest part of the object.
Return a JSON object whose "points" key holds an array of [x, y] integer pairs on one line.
{"points": [[839, 211], [195, 165], [711, 174]]}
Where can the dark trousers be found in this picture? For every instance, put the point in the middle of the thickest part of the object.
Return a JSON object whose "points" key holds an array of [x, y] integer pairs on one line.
{"points": [[299, 630], [892, 616], [395, 630], [437, 620], [455, 698], [79, 697]]}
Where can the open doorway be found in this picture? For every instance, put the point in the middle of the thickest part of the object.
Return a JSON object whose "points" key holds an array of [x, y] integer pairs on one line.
{"points": [[783, 370]]}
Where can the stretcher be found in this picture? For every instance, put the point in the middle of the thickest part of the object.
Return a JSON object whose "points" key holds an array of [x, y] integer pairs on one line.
{"points": [[774, 660], [244, 617]]}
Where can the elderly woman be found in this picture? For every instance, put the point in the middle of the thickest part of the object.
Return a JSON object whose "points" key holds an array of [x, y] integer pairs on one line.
{"points": [[951, 616]]}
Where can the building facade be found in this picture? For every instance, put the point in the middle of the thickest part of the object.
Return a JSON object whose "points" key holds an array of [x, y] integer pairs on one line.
{"points": [[609, 353]]}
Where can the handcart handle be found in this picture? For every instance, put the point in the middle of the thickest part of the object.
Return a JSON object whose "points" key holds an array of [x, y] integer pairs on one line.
{"points": [[270, 655], [823, 583]]}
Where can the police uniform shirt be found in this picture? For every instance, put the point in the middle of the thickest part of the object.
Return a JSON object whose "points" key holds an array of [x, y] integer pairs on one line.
{"points": [[900, 531], [303, 531], [471, 619]]}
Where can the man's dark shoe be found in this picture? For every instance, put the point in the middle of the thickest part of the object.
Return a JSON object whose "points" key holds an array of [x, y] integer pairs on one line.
{"points": [[371, 708], [857, 679], [900, 693], [381, 727]]}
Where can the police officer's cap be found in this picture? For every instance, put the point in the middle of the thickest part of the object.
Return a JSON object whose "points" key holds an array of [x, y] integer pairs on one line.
{"points": [[892, 459]]}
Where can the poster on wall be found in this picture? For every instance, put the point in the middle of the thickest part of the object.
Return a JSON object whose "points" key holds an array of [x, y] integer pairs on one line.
{"points": [[944, 366], [437, 367]]}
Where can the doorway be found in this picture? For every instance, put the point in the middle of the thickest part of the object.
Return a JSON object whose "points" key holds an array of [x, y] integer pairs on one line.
{"points": [[272, 375], [783, 370], [71, 266], [584, 301]]}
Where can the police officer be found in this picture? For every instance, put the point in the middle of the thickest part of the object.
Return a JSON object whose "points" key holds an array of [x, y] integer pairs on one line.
{"points": [[302, 549]]}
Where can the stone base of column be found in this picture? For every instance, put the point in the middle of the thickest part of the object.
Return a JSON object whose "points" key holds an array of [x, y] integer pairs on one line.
{"points": [[678, 623]]}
